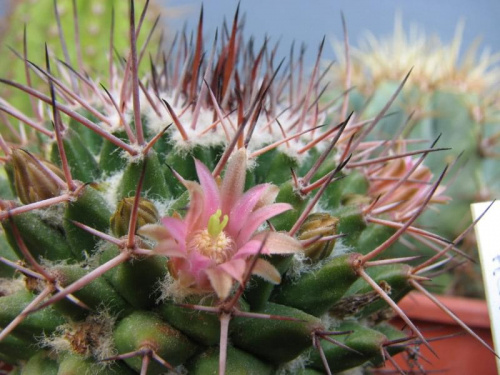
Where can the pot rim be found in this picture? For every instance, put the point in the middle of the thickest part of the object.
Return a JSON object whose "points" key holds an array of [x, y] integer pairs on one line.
{"points": [[473, 312]]}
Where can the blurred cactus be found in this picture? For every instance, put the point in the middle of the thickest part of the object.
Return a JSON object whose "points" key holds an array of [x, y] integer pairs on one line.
{"points": [[85, 46], [450, 93]]}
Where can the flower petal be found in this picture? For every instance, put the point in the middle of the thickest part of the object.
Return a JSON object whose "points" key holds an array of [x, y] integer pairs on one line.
{"points": [[196, 265], [236, 268], [221, 282], [268, 197], [176, 228], [250, 248], [234, 180], [267, 271], [194, 214], [154, 231], [244, 207], [257, 218], [210, 190], [279, 242], [170, 249]]}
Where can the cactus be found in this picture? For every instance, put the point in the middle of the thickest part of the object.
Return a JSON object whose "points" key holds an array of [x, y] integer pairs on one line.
{"points": [[84, 47], [448, 95], [211, 216]]}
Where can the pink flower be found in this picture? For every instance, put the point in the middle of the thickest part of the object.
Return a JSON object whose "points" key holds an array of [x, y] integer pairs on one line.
{"points": [[213, 244]]}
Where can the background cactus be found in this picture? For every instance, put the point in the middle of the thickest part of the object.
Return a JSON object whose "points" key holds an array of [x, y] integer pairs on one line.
{"points": [[85, 45], [450, 92], [269, 254]]}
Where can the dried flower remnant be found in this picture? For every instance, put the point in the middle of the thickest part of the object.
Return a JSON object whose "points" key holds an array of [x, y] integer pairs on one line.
{"points": [[402, 185]]}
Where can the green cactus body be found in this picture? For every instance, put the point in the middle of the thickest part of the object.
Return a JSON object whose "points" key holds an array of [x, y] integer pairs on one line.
{"points": [[362, 343], [274, 340], [16, 349], [79, 156], [112, 160], [144, 330], [41, 238], [329, 284], [201, 327], [238, 363], [8, 253], [95, 293], [40, 364], [90, 209], [46, 320], [77, 365], [135, 280], [360, 300]]}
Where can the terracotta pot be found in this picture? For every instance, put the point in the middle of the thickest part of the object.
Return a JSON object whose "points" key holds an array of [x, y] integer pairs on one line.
{"points": [[5, 368], [456, 355]]}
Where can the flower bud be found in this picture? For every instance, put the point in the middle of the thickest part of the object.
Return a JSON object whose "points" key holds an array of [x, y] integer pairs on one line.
{"points": [[31, 182], [318, 224], [147, 214]]}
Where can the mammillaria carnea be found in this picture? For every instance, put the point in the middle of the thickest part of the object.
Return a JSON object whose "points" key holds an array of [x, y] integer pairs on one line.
{"points": [[211, 246]]}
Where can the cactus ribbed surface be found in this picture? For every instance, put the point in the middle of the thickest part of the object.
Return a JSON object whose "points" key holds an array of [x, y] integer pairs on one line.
{"points": [[212, 215]]}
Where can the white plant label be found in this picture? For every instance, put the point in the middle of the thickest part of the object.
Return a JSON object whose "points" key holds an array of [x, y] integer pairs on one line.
{"points": [[488, 240]]}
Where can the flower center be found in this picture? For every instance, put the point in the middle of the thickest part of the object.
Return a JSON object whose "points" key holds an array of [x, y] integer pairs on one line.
{"points": [[215, 226], [213, 242]]}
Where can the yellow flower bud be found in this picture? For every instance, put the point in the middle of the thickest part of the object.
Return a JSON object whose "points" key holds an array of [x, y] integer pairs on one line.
{"points": [[318, 224], [31, 182], [147, 214]]}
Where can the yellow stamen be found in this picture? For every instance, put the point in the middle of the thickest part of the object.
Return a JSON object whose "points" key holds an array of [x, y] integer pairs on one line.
{"points": [[213, 242], [217, 248]]}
